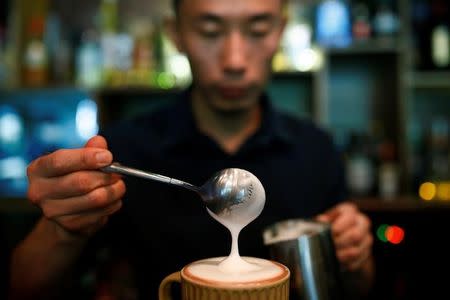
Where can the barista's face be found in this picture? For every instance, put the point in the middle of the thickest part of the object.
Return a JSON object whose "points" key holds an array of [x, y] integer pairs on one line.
{"points": [[230, 45]]}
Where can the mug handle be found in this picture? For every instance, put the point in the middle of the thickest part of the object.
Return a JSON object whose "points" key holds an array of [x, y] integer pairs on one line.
{"points": [[165, 286]]}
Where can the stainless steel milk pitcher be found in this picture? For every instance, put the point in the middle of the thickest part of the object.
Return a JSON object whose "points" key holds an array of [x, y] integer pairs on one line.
{"points": [[306, 247]]}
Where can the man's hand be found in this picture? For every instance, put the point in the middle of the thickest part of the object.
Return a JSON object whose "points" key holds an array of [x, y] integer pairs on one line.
{"points": [[351, 234], [71, 191]]}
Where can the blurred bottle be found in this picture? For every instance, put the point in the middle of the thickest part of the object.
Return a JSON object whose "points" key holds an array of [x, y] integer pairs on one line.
{"points": [[361, 27], [437, 150], [108, 16], [3, 66], [431, 34], [386, 160], [295, 51], [108, 26], [434, 182], [59, 50], [174, 69], [333, 23], [388, 170], [360, 167], [143, 54], [439, 36], [420, 18], [89, 65], [35, 60], [385, 22], [13, 44], [440, 53]]}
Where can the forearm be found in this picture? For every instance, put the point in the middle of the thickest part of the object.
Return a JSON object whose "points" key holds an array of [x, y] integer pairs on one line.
{"points": [[41, 261], [359, 283]]}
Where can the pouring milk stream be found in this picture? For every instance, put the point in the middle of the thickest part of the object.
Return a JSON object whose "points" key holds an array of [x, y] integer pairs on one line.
{"points": [[234, 267]]}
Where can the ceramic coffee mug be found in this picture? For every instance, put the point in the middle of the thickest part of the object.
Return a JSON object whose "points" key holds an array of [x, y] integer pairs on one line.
{"points": [[202, 280]]}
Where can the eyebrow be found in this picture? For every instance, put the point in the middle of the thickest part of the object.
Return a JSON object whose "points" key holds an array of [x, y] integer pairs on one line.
{"points": [[262, 17], [207, 17]]}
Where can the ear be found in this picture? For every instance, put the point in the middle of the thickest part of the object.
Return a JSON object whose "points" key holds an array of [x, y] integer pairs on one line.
{"points": [[171, 27]]}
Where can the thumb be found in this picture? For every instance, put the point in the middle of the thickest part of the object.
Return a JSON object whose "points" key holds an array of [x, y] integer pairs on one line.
{"points": [[96, 142], [323, 218]]}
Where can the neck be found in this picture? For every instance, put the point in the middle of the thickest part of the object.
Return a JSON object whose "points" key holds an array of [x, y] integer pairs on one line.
{"points": [[230, 129]]}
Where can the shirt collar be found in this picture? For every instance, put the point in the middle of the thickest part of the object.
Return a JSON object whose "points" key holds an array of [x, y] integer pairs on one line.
{"points": [[182, 128]]}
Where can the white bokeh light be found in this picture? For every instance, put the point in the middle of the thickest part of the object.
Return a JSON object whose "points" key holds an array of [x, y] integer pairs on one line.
{"points": [[13, 167], [10, 128], [86, 119]]}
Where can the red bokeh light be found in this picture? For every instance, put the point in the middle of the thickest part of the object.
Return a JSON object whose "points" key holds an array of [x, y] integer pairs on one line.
{"points": [[395, 234]]}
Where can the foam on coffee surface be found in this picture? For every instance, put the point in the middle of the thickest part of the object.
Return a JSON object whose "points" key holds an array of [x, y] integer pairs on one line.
{"points": [[209, 270]]}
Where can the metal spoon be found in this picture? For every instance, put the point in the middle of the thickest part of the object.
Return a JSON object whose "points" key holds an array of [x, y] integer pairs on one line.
{"points": [[232, 193]]}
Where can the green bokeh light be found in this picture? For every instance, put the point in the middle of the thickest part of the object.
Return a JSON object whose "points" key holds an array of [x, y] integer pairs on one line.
{"points": [[381, 232]]}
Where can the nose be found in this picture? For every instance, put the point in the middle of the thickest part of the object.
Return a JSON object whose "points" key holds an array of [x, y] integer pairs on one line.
{"points": [[234, 56]]}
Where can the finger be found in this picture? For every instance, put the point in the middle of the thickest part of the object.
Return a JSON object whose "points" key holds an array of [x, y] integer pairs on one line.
{"points": [[70, 185], [350, 238], [96, 200], [96, 142], [354, 235], [350, 255], [66, 161], [323, 218], [329, 215], [347, 218], [340, 225], [333, 213]]}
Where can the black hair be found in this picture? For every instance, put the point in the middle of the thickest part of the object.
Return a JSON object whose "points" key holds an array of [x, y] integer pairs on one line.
{"points": [[176, 4]]}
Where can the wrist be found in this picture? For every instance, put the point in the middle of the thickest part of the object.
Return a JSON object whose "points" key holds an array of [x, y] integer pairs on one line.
{"points": [[60, 234]]}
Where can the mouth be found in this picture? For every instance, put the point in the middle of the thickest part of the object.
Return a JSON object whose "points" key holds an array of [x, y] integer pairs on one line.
{"points": [[232, 92]]}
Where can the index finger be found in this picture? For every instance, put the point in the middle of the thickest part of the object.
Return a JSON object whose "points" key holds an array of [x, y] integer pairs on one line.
{"points": [[331, 214], [346, 219], [66, 161]]}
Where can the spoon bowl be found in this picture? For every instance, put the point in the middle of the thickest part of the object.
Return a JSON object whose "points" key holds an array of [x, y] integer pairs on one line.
{"points": [[232, 194], [235, 194]]}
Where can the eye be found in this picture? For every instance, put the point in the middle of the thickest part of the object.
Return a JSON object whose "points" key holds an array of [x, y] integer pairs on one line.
{"points": [[259, 33], [210, 34], [210, 30], [260, 29]]}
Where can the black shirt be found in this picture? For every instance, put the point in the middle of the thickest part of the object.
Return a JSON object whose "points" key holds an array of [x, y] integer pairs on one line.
{"points": [[160, 228]]}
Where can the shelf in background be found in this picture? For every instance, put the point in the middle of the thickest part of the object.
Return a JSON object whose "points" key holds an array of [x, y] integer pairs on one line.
{"points": [[101, 90], [132, 90], [401, 204], [135, 91], [429, 80], [371, 46]]}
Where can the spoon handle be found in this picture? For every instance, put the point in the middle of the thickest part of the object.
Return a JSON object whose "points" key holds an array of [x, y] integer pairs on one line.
{"points": [[121, 169]]}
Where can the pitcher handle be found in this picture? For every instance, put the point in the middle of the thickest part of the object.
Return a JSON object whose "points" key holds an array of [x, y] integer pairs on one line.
{"points": [[165, 286]]}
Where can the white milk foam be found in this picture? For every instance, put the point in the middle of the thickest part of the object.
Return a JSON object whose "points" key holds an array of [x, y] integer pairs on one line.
{"points": [[290, 230], [234, 267], [261, 269]]}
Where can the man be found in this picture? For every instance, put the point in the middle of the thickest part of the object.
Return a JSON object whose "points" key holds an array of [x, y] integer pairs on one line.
{"points": [[223, 120]]}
